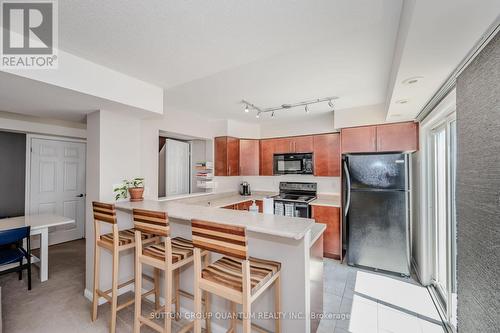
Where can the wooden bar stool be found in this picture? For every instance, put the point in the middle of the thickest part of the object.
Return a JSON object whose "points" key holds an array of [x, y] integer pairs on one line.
{"points": [[115, 242], [168, 256], [236, 276]]}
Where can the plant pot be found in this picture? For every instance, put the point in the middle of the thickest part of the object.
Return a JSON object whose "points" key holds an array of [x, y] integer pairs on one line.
{"points": [[136, 193]]}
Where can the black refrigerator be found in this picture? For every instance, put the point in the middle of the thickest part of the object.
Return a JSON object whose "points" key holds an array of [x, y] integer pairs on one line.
{"points": [[376, 211]]}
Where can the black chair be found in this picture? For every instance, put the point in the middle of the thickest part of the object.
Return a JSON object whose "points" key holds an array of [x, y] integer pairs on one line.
{"points": [[12, 251]]}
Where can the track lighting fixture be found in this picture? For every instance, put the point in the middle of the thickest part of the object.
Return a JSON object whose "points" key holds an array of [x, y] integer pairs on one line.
{"points": [[249, 106]]}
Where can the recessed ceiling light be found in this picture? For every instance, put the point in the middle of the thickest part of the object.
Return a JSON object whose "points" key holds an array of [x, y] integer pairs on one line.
{"points": [[412, 80], [402, 101]]}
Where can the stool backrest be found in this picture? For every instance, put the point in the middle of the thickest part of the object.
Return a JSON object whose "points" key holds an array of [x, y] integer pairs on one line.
{"points": [[104, 212], [220, 238], [151, 222]]}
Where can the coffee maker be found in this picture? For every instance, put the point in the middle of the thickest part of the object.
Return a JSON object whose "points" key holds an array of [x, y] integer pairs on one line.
{"points": [[245, 189]]}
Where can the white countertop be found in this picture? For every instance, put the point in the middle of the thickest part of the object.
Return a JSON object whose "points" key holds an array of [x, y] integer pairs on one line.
{"points": [[225, 199], [35, 221], [197, 208], [331, 200]]}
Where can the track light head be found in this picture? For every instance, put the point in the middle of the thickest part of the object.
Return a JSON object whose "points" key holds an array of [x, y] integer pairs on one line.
{"points": [[330, 104], [272, 114], [306, 108], [246, 108], [257, 115]]}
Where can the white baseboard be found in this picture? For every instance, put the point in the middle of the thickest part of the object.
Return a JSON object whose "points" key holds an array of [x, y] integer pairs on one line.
{"points": [[89, 295]]}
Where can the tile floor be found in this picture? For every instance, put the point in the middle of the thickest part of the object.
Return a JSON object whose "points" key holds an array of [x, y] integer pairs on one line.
{"points": [[365, 301], [370, 302]]}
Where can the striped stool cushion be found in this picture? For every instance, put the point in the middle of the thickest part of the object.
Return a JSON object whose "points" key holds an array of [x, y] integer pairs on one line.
{"points": [[181, 249], [227, 271], [125, 236]]}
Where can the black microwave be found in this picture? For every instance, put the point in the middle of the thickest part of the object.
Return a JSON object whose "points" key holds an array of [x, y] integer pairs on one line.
{"points": [[285, 164]]}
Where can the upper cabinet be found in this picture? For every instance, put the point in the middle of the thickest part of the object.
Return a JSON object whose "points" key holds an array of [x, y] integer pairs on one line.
{"points": [[359, 139], [227, 155], [269, 147], [249, 157], [381, 138], [397, 137], [267, 150], [327, 155]]}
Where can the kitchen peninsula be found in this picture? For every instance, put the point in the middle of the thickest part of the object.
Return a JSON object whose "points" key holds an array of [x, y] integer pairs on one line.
{"points": [[296, 243]]}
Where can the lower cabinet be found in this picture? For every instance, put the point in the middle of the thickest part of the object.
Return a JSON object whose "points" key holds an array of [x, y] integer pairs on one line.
{"points": [[332, 238], [245, 205]]}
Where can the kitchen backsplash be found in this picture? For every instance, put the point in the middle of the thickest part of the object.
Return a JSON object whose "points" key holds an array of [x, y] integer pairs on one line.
{"points": [[326, 185]]}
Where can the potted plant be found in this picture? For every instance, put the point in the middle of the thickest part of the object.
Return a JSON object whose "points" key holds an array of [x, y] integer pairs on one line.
{"points": [[135, 188]]}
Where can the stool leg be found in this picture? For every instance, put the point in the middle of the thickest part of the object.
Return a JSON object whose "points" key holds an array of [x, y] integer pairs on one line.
{"points": [[197, 291], [277, 304], [97, 266], [168, 298], [208, 320], [247, 304], [232, 328], [114, 290], [138, 284], [177, 296], [156, 279]]}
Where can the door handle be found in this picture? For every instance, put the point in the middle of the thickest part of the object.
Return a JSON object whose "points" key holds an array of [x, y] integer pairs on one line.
{"points": [[81, 195], [348, 182]]}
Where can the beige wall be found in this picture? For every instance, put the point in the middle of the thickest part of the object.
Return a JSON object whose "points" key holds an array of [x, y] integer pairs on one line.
{"points": [[321, 123], [364, 115]]}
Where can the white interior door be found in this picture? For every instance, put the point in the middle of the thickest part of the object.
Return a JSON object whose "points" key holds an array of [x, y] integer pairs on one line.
{"points": [[57, 185], [177, 167]]}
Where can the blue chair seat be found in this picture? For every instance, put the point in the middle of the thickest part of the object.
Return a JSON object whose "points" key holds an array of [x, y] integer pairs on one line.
{"points": [[8, 256]]}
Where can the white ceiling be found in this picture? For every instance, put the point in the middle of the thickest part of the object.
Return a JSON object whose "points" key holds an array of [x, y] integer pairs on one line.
{"points": [[208, 55], [211, 54]]}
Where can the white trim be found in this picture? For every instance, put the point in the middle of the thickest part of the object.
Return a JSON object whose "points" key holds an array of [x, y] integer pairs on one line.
{"points": [[443, 110]]}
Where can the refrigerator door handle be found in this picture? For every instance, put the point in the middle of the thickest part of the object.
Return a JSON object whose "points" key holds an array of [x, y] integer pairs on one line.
{"points": [[348, 182]]}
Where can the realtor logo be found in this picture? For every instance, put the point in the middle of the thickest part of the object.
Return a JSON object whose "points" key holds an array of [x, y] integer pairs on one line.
{"points": [[29, 34]]}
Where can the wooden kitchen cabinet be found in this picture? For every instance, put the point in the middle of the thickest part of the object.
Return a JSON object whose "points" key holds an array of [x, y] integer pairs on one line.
{"points": [[326, 148], [302, 144], [397, 137], [231, 207], [260, 204], [249, 157], [359, 139], [244, 205], [266, 157], [227, 155], [332, 237]]}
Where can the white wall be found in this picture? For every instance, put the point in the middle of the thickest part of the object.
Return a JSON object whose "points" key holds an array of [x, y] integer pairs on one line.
{"points": [[313, 124], [173, 121], [364, 115], [29, 124], [243, 130], [326, 185], [113, 154]]}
